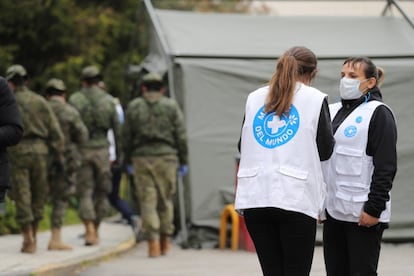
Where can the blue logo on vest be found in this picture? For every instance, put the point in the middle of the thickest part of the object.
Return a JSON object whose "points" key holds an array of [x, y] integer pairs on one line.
{"points": [[272, 131], [350, 131]]}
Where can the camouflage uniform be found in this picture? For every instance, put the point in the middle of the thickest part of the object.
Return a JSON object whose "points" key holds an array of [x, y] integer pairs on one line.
{"points": [[76, 134], [42, 136], [155, 141], [98, 112]]}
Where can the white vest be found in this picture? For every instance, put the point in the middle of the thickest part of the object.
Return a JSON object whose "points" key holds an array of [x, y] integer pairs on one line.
{"points": [[350, 169], [279, 161]]}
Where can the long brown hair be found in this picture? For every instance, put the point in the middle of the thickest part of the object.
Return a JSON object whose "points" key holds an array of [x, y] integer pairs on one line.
{"points": [[297, 63]]}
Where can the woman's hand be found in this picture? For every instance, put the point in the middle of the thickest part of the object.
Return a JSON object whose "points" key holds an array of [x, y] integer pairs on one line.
{"points": [[367, 220]]}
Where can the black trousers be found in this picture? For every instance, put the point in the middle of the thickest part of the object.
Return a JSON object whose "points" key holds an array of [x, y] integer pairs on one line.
{"points": [[351, 250], [284, 240]]}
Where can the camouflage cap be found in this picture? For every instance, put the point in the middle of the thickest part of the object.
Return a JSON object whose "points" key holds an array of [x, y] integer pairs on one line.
{"points": [[151, 77], [14, 70], [56, 84], [90, 71]]}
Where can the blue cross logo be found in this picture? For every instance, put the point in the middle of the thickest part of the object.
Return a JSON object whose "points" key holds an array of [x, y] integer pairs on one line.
{"points": [[271, 131]]}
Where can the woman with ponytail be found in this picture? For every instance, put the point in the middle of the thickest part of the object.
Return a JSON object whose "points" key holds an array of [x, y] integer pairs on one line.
{"points": [[280, 192], [360, 172]]}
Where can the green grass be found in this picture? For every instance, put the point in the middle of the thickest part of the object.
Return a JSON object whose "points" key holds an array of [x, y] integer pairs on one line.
{"points": [[8, 224], [71, 217]]}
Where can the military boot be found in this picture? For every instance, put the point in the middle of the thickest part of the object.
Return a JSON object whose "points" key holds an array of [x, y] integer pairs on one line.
{"points": [[29, 244], [90, 233], [154, 248], [56, 242], [165, 244]]}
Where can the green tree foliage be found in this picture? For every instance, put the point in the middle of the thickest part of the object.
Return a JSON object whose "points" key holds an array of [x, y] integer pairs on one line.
{"points": [[201, 5], [56, 38]]}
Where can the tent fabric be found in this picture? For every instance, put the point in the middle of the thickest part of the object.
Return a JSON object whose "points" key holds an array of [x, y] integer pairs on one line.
{"points": [[239, 35], [218, 59]]}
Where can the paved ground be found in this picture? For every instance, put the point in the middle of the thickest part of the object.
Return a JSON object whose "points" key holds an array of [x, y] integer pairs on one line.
{"points": [[115, 239], [395, 260], [107, 258]]}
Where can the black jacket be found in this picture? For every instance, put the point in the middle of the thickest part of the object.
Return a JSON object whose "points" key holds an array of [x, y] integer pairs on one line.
{"points": [[11, 131], [381, 145]]}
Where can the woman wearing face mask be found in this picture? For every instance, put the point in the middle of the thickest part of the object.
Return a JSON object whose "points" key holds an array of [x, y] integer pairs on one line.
{"points": [[360, 172]]}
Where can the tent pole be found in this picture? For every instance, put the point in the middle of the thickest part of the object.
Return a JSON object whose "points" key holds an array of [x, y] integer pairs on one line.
{"points": [[400, 9], [387, 7], [164, 44]]}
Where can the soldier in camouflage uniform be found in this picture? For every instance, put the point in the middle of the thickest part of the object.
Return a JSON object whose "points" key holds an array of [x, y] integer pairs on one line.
{"points": [[94, 178], [155, 142], [29, 159], [62, 185]]}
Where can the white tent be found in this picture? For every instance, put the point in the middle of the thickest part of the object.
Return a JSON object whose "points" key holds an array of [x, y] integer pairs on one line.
{"points": [[214, 60]]}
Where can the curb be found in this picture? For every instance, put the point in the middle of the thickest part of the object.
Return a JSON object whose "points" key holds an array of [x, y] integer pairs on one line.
{"points": [[80, 263]]}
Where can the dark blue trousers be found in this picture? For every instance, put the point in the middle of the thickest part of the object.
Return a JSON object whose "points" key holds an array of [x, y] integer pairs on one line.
{"points": [[117, 202]]}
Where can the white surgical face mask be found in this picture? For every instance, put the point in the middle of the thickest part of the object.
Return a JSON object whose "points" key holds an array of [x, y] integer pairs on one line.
{"points": [[349, 88]]}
